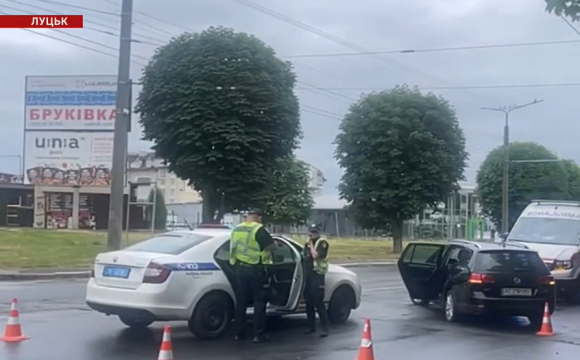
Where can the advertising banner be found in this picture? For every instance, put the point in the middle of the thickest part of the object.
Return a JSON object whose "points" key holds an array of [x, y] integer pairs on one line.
{"points": [[70, 103], [68, 158]]}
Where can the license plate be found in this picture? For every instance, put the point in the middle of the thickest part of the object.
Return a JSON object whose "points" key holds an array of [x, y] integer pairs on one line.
{"points": [[118, 272], [516, 292]]}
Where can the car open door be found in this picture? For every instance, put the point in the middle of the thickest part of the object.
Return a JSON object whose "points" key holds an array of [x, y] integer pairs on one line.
{"points": [[417, 264], [287, 276]]}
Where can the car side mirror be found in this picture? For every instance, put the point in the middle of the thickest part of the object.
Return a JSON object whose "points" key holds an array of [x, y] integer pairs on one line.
{"points": [[504, 236]]}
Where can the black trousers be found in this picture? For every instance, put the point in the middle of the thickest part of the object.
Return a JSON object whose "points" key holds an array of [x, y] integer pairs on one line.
{"points": [[251, 283], [314, 297]]}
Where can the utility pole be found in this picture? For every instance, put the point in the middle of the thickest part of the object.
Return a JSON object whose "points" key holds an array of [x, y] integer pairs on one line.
{"points": [[123, 111], [506, 142]]}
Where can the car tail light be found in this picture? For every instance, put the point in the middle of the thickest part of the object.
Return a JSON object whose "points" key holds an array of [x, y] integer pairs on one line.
{"points": [[156, 274], [476, 278], [547, 280]]}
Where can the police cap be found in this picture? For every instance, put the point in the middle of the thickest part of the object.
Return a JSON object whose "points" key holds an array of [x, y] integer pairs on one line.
{"points": [[314, 228], [256, 212]]}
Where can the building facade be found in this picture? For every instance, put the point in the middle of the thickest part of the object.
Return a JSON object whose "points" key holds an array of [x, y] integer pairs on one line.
{"points": [[317, 179], [145, 168]]}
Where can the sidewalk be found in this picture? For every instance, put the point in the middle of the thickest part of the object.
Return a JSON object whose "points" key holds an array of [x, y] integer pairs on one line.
{"points": [[80, 273]]}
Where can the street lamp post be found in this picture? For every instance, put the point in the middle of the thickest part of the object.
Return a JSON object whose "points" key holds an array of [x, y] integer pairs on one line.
{"points": [[506, 131]]}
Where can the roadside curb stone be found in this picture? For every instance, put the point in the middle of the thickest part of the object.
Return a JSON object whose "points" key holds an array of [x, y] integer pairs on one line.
{"points": [[29, 275]]}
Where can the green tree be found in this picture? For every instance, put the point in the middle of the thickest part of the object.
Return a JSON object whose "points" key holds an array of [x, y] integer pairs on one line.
{"points": [[220, 109], [527, 181], [160, 209], [569, 8], [573, 171], [290, 198], [401, 151]]}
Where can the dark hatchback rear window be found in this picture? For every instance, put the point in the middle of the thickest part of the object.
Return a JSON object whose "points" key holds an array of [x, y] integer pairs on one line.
{"points": [[509, 260]]}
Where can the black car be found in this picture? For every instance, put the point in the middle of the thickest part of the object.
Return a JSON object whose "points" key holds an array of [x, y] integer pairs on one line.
{"points": [[470, 277]]}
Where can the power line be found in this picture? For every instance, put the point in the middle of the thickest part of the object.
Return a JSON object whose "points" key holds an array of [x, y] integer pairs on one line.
{"points": [[318, 88], [442, 49], [570, 25], [321, 114], [90, 41], [72, 43], [116, 29], [80, 7], [329, 113], [467, 87], [88, 28], [333, 38]]}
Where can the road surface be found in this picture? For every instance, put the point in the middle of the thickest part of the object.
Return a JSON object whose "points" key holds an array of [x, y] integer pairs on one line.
{"points": [[61, 326]]}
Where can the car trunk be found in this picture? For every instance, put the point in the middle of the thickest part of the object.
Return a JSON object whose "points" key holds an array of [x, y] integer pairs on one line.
{"points": [[123, 269], [516, 285], [516, 274]]}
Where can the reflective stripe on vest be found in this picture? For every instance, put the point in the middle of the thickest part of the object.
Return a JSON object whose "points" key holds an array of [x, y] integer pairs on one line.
{"points": [[244, 247], [321, 264]]}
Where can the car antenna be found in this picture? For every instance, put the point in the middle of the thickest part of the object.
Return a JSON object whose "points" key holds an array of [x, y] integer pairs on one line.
{"points": [[187, 223]]}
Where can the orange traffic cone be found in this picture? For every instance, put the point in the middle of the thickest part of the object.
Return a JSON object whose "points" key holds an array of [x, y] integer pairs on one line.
{"points": [[546, 329], [366, 345], [166, 352], [13, 329]]}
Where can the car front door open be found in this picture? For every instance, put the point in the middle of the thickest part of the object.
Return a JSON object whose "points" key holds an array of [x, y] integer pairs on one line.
{"points": [[417, 265], [287, 276]]}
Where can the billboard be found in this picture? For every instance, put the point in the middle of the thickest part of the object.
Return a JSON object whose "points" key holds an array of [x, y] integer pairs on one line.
{"points": [[74, 103], [68, 158]]}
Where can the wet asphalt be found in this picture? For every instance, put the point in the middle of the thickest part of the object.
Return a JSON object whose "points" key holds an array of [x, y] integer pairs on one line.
{"points": [[61, 326]]}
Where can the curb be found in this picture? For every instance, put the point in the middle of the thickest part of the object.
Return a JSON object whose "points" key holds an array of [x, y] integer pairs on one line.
{"points": [[87, 274], [44, 276]]}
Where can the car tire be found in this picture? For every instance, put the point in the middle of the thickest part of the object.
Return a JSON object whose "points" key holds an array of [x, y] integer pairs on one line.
{"points": [[420, 302], [212, 316], [341, 304], [135, 323], [450, 307], [536, 318]]}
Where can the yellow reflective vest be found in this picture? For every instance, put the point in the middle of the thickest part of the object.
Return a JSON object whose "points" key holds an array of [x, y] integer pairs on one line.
{"points": [[320, 265], [245, 248]]}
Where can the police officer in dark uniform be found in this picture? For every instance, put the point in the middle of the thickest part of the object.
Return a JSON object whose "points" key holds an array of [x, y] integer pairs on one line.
{"points": [[315, 267], [251, 247]]}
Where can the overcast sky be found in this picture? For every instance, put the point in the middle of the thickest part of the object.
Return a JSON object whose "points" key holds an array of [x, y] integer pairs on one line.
{"points": [[375, 25]]}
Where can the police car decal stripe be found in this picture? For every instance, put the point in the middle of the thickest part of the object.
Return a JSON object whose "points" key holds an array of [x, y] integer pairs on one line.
{"points": [[197, 266]]}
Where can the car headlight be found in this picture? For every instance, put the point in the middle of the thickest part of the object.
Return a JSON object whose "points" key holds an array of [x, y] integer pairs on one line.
{"points": [[562, 265]]}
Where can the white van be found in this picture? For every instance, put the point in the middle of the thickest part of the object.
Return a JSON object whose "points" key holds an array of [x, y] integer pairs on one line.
{"points": [[552, 228]]}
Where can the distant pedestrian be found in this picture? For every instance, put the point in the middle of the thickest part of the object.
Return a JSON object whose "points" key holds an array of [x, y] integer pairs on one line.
{"points": [[315, 267]]}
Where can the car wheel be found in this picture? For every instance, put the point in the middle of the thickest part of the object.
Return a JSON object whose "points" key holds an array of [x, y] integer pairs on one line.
{"points": [[450, 307], [420, 302], [212, 316], [536, 318], [135, 323], [341, 304]]}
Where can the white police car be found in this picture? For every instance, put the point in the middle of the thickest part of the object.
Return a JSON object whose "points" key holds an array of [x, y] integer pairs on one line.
{"points": [[186, 275]]}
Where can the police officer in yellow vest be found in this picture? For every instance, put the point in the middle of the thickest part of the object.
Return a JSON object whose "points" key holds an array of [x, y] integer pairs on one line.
{"points": [[315, 267], [251, 247]]}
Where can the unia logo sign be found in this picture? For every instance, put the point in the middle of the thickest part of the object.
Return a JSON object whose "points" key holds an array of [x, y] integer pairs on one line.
{"points": [[56, 145]]}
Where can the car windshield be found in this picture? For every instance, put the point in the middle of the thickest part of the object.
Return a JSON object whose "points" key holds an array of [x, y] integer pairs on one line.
{"points": [[509, 261], [169, 244], [546, 231]]}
